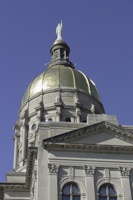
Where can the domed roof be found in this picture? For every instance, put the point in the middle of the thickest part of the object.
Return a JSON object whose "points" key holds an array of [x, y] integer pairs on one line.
{"points": [[60, 76]]}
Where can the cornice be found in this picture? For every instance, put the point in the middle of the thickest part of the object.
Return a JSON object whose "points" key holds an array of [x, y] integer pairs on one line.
{"points": [[89, 147], [12, 186], [57, 125]]}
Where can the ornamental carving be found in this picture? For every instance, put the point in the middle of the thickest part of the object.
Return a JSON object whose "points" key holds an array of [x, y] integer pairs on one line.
{"points": [[89, 170], [125, 171], [53, 168]]}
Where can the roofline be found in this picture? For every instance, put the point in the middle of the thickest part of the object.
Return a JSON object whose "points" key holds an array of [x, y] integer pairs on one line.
{"points": [[90, 129]]}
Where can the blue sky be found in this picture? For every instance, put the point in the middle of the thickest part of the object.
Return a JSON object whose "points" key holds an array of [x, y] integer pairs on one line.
{"points": [[100, 35]]}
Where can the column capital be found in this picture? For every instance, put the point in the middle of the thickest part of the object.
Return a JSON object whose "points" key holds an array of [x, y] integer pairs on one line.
{"points": [[125, 171], [53, 169], [89, 170], [23, 123], [16, 127]]}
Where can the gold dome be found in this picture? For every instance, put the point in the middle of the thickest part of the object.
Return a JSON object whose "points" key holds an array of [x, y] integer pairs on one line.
{"points": [[59, 77]]}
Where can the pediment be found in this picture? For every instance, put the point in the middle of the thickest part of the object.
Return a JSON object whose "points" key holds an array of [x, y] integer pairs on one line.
{"points": [[104, 137], [100, 134]]}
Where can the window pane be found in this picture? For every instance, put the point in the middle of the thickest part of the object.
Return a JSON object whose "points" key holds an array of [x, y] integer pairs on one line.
{"points": [[113, 198], [76, 197], [111, 191], [75, 190], [66, 189], [102, 198], [66, 197], [102, 190]]}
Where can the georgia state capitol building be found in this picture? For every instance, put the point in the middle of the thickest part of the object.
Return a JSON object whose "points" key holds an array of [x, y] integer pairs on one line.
{"points": [[65, 146]]}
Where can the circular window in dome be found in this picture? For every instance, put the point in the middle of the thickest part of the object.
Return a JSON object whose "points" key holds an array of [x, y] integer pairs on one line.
{"points": [[33, 127]]}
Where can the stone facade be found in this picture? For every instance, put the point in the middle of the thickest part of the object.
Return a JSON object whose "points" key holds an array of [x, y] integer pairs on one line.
{"points": [[63, 139]]}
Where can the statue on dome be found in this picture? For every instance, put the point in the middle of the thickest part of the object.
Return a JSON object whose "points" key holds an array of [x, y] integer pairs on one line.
{"points": [[59, 31]]}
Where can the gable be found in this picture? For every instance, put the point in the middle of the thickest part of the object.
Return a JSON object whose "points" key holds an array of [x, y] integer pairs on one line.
{"points": [[103, 138], [100, 134]]}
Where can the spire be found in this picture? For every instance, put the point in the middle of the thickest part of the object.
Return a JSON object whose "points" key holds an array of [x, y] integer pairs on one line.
{"points": [[60, 50]]}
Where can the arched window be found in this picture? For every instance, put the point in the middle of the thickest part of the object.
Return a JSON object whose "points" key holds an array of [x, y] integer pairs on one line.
{"points": [[107, 192], [70, 192]]}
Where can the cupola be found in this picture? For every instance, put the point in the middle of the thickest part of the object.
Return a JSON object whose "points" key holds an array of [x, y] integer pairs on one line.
{"points": [[60, 96]]}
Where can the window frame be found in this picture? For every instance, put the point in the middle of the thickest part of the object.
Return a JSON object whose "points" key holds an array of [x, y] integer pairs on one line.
{"points": [[108, 195], [71, 195]]}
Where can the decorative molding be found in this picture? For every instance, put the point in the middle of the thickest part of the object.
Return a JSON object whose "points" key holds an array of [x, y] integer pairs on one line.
{"points": [[118, 131], [89, 170], [78, 181], [89, 147], [53, 169], [125, 171], [34, 178], [114, 182], [30, 164]]}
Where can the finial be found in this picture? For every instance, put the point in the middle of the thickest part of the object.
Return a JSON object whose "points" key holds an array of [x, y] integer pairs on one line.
{"points": [[59, 31]]}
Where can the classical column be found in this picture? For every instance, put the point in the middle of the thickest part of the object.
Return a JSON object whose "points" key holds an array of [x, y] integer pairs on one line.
{"points": [[89, 177], [16, 130], [125, 174], [15, 151], [53, 175], [23, 140]]}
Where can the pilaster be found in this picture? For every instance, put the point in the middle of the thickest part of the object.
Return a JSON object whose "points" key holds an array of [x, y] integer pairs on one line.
{"points": [[53, 181], [39, 112], [89, 177], [125, 174]]}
